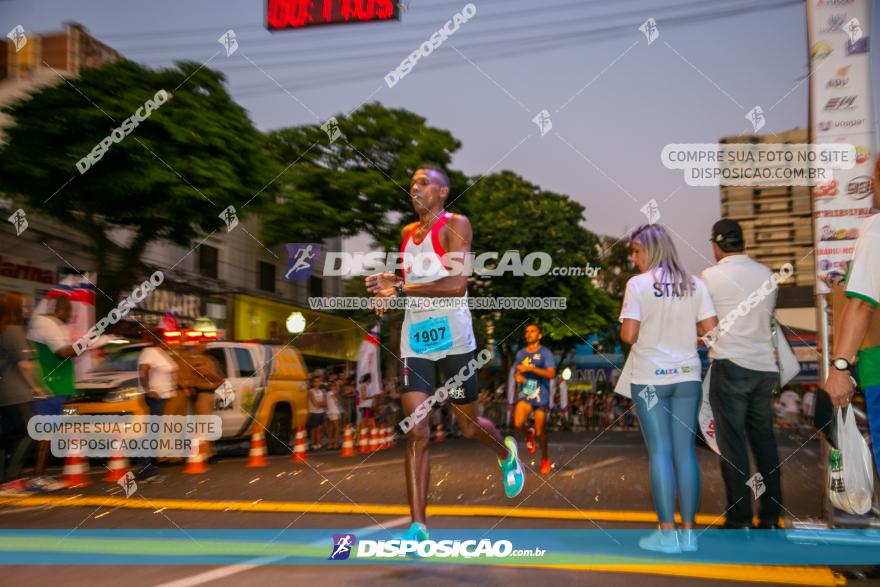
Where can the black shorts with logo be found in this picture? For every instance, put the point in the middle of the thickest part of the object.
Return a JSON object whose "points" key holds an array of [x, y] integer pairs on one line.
{"points": [[421, 375]]}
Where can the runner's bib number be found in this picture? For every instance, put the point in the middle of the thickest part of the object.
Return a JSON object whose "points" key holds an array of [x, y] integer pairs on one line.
{"points": [[531, 389], [430, 336]]}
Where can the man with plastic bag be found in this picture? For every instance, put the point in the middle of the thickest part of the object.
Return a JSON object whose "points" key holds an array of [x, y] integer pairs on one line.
{"points": [[743, 376], [863, 297]]}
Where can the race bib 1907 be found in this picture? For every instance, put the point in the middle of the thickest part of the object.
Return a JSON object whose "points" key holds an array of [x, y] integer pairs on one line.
{"points": [[430, 336]]}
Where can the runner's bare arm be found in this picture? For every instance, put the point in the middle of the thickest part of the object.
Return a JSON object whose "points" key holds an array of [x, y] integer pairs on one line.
{"points": [[385, 280], [457, 236]]}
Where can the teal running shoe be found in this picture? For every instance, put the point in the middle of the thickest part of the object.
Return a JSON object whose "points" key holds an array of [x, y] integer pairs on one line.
{"points": [[417, 532], [512, 474]]}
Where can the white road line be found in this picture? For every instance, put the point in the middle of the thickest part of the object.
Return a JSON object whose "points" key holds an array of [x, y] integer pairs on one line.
{"points": [[598, 465], [229, 570], [382, 464]]}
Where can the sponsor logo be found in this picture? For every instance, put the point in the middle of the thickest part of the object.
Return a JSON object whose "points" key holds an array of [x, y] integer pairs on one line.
{"points": [[432, 548], [835, 23], [820, 50], [859, 188], [342, 547], [827, 125], [840, 103], [862, 155], [301, 259], [666, 372], [825, 188], [841, 80], [834, 3], [857, 47]]}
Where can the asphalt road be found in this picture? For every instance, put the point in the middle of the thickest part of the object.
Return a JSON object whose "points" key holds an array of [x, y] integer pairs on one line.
{"points": [[594, 475]]}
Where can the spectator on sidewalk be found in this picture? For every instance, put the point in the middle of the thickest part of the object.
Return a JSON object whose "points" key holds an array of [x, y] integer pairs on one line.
{"points": [[18, 387], [317, 412], [157, 376], [664, 309], [863, 297], [333, 413], [366, 401], [55, 354], [743, 377], [198, 377]]}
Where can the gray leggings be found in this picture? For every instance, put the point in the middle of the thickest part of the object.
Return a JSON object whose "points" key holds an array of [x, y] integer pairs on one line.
{"points": [[668, 416]]}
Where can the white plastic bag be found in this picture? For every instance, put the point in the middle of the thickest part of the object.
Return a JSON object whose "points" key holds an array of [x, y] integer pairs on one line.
{"points": [[707, 418], [851, 470], [624, 382]]}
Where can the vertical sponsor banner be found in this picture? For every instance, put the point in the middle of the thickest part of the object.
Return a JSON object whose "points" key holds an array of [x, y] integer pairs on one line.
{"points": [[841, 112]]}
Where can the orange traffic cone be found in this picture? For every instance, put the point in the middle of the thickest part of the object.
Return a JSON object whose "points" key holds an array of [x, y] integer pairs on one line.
{"points": [[439, 435], [386, 437], [117, 467], [76, 468], [257, 455], [391, 436], [299, 447], [363, 440], [347, 442], [374, 439], [197, 462]]}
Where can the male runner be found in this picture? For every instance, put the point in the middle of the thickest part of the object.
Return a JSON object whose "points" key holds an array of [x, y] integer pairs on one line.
{"points": [[438, 337], [535, 369]]}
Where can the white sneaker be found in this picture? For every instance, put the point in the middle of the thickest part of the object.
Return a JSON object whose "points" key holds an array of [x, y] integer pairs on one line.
{"points": [[46, 484], [661, 541], [687, 539]]}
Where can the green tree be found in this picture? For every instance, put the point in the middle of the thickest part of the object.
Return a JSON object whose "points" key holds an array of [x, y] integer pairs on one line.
{"points": [[169, 179], [617, 269], [359, 181], [510, 214]]}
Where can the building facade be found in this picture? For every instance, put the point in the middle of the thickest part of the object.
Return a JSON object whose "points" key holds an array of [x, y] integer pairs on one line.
{"points": [[778, 229]]}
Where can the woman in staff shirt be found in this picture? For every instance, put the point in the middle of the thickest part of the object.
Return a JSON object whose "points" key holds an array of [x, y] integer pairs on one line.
{"points": [[664, 309]]}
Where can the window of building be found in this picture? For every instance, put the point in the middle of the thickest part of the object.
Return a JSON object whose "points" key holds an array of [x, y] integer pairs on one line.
{"points": [[208, 257], [266, 276]]}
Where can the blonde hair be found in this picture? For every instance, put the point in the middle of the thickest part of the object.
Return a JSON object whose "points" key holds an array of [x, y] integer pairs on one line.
{"points": [[662, 256]]}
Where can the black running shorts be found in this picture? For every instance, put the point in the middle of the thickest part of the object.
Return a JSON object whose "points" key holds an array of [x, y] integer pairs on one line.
{"points": [[421, 375]]}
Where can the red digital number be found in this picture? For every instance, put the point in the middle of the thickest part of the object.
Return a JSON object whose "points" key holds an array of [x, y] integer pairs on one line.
{"points": [[284, 13]]}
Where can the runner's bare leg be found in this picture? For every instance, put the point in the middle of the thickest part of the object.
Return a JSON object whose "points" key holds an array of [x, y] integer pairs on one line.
{"points": [[480, 429], [520, 417], [418, 464], [540, 434]]}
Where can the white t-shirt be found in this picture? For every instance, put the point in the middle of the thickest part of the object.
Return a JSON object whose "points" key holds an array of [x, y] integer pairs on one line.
{"points": [[332, 404], [747, 340], [49, 331], [318, 394], [864, 274], [163, 371], [666, 349]]}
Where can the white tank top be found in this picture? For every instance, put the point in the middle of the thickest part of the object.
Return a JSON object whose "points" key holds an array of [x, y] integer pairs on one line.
{"points": [[435, 332]]}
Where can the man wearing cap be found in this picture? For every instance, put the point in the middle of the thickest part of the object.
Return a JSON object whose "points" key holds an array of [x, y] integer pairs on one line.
{"points": [[863, 297], [744, 374]]}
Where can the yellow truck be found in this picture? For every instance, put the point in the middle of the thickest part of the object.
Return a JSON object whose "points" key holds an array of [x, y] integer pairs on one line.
{"points": [[269, 384]]}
